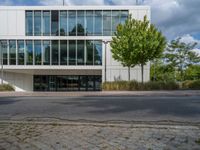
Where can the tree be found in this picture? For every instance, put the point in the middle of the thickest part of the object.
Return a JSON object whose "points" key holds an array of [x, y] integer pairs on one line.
{"points": [[136, 43], [180, 55]]}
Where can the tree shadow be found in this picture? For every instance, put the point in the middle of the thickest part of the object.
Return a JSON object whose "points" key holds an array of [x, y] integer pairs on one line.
{"points": [[7, 100]]}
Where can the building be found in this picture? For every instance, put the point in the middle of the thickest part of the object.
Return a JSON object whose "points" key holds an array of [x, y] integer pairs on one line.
{"points": [[62, 48]]}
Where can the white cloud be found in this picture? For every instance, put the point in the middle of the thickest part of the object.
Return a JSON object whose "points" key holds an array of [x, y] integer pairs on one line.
{"points": [[190, 39]]}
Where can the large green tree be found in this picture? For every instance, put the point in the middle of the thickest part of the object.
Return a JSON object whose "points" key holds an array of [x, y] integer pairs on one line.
{"points": [[137, 42]]}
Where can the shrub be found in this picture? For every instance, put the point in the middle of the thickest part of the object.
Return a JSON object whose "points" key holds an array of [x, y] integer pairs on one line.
{"points": [[6, 87], [195, 85]]}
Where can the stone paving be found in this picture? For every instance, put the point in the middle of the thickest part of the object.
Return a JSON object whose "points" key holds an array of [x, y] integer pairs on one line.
{"points": [[91, 136]]}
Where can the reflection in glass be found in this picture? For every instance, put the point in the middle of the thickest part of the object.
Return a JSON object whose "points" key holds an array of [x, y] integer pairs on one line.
{"points": [[54, 22], [63, 23], [29, 52], [37, 23], [46, 52], [97, 52], [12, 50], [29, 23], [72, 23], [72, 52], [89, 52], [54, 52], [4, 48], [80, 23], [80, 52], [115, 20], [89, 22], [38, 52], [98, 23], [63, 52], [46, 23], [21, 50], [107, 23], [124, 16]]}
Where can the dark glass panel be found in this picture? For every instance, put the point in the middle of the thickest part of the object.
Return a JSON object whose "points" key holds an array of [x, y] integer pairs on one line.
{"points": [[54, 22], [80, 52], [89, 52], [98, 23], [12, 50], [63, 52], [46, 52], [29, 23], [54, 52], [72, 23], [97, 52], [80, 23], [90, 83], [63, 23], [73, 83], [115, 20], [124, 16], [37, 23], [21, 50], [72, 52], [107, 23], [89, 22], [29, 52], [38, 52], [46, 23], [4, 48]]}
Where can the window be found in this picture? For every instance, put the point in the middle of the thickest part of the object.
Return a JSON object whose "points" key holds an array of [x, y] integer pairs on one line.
{"points": [[63, 52], [97, 52], [115, 20], [107, 23], [54, 22], [63, 23], [54, 52], [29, 23], [124, 16], [89, 52], [89, 22], [80, 23], [46, 52], [46, 23], [80, 52], [72, 23], [38, 52], [4, 48], [72, 52], [37, 23], [20, 49], [98, 23], [29, 52], [12, 50]]}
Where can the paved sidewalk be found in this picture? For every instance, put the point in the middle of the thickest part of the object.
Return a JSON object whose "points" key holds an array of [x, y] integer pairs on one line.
{"points": [[91, 136], [104, 93]]}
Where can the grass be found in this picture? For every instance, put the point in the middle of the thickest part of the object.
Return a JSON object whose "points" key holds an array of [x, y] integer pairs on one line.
{"points": [[6, 87]]}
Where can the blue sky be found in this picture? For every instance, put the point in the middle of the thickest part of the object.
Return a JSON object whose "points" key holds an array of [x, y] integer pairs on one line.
{"points": [[175, 18]]}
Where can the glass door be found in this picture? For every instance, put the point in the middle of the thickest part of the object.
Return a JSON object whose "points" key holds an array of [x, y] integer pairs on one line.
{"points": [[52, 83]]}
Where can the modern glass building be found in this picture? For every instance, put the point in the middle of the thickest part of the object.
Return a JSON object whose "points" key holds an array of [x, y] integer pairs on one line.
{"points": [[63, 48]]}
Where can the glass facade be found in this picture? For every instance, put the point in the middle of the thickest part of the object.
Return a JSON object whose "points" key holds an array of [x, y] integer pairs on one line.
{"points": [[20, 50], [4, 48], [74, 23], [38, 52], [12, 52]]}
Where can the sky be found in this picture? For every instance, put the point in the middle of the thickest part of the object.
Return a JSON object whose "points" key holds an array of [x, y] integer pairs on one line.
{"points": [[175, 18]]}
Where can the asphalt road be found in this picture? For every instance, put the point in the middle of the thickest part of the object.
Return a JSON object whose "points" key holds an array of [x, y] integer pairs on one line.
{"points": [[120, 108]]}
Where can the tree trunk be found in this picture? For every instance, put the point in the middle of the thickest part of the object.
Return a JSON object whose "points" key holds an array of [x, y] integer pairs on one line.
{"points": [[129, 73], [142, 71]]}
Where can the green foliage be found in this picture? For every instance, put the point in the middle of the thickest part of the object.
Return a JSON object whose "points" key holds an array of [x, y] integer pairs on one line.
{"points": [[193, 85], [6, 87], [192, 72], [137, 42]]}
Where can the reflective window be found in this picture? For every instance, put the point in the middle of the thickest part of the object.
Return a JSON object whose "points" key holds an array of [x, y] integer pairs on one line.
{"points": [[21, 50], [4, 49], [80, 23], [89, 52], [72, 52], [89, 22], [54, 23], [98, 23], [107, 23], [124, 16], [72, 23], [29, 23], [97, 52], [63, 52], [63, 23], [46, 23], [80, 52], [115, 20], [38, 52], [12, 50], [54, 52], [46, 52], [29, 52], [37, 23]]}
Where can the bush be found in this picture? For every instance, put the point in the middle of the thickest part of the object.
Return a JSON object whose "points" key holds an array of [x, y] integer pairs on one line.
{"points": [[137, 86], [6, 87], [193, 85]]}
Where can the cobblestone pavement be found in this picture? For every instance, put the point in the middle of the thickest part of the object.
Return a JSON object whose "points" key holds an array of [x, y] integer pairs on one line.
{"points": [[54, 136]]}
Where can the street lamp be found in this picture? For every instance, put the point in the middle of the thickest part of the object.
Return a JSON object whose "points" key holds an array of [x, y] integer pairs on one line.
{"points": [[2, 45], [105, 43]]}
